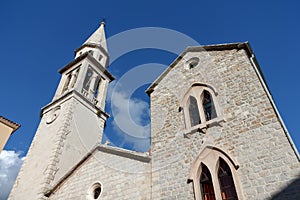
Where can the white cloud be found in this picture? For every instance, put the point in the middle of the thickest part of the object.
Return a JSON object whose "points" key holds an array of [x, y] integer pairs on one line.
{"points": [[131, 118], [10, 164], [129, 115]]}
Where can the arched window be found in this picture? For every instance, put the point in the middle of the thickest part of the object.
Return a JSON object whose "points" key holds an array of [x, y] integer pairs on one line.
{"points": [[193, 111], [200, 107], [207, 188], [87, 80], [67, 82], [227, 187], [208, 106], [96, 87], [75, 74], [212, 166]]}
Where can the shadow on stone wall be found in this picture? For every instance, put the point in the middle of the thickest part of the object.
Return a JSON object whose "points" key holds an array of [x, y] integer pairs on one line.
{"points": [[291, 192]]}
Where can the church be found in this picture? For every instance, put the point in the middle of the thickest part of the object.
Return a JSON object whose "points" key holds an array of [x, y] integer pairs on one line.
{"points": [[222, 136]]}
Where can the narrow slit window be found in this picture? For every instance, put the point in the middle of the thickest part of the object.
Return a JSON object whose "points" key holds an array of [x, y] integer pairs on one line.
{"points": [[208, 106], [207, 188], [194, 111], [227, 187]]}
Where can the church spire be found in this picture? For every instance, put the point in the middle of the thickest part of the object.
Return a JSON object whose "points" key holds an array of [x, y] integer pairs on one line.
{"points": [[98, 37], [96, 46]]}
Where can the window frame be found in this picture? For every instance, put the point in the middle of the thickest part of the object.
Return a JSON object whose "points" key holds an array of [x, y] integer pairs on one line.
{"points": [[197, 91], [210, 157]]}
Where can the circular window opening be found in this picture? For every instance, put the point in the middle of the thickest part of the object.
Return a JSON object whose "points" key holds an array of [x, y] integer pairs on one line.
{"points": [[193, 62], [95, 191]]}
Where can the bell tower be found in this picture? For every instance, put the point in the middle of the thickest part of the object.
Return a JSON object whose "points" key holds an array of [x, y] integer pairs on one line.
{"points": [[71, 124]]}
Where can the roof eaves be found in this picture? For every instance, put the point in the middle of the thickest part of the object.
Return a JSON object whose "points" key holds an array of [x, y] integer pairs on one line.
{"points": [[10, 123]]}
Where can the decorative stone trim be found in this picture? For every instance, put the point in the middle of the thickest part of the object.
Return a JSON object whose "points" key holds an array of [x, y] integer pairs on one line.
{"points": [[204, 126]]}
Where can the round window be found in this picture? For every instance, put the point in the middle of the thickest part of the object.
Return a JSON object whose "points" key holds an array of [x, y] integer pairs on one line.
{"points": [[193, 62], [95, 191]]}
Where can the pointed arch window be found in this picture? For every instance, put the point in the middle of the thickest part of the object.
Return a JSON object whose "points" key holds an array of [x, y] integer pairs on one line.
{"points": [[214, 176], [200, 107], [227, 187], [207, 188], [194, 111], [208, 106]]}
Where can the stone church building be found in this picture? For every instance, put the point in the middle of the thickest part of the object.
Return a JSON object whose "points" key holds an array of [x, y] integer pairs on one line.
{"points": [[221, 136]]}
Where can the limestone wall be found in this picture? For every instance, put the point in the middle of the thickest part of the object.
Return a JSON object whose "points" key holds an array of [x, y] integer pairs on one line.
{"points": [[250, 133], [120, 177]]}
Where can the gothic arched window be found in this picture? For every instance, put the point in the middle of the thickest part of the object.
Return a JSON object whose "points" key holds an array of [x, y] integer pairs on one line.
{"points": [[200, 109], [193, 111], [227, 187], [214, 175], [207, 188], [208, 106]]}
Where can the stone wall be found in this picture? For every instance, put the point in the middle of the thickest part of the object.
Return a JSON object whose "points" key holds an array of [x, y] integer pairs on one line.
{"points": [[121, 178], [251, 132]]}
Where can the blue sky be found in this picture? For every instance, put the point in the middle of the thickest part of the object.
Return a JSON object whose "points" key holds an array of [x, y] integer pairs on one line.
{"points": [[37, 38]]}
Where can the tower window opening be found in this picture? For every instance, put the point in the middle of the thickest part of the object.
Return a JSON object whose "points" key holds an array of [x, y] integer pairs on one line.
{"points": [[75, 74], [96, 87], [67, 82], [100, 57], [87, 82]]}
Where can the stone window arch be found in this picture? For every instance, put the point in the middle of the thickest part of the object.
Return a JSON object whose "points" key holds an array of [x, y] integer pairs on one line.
{"points": [[218, 163], [200, 107]]}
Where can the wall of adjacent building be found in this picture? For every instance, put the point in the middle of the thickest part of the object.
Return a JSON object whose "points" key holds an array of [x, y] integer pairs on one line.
{"points": [[5, 132], [120, 177]]}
